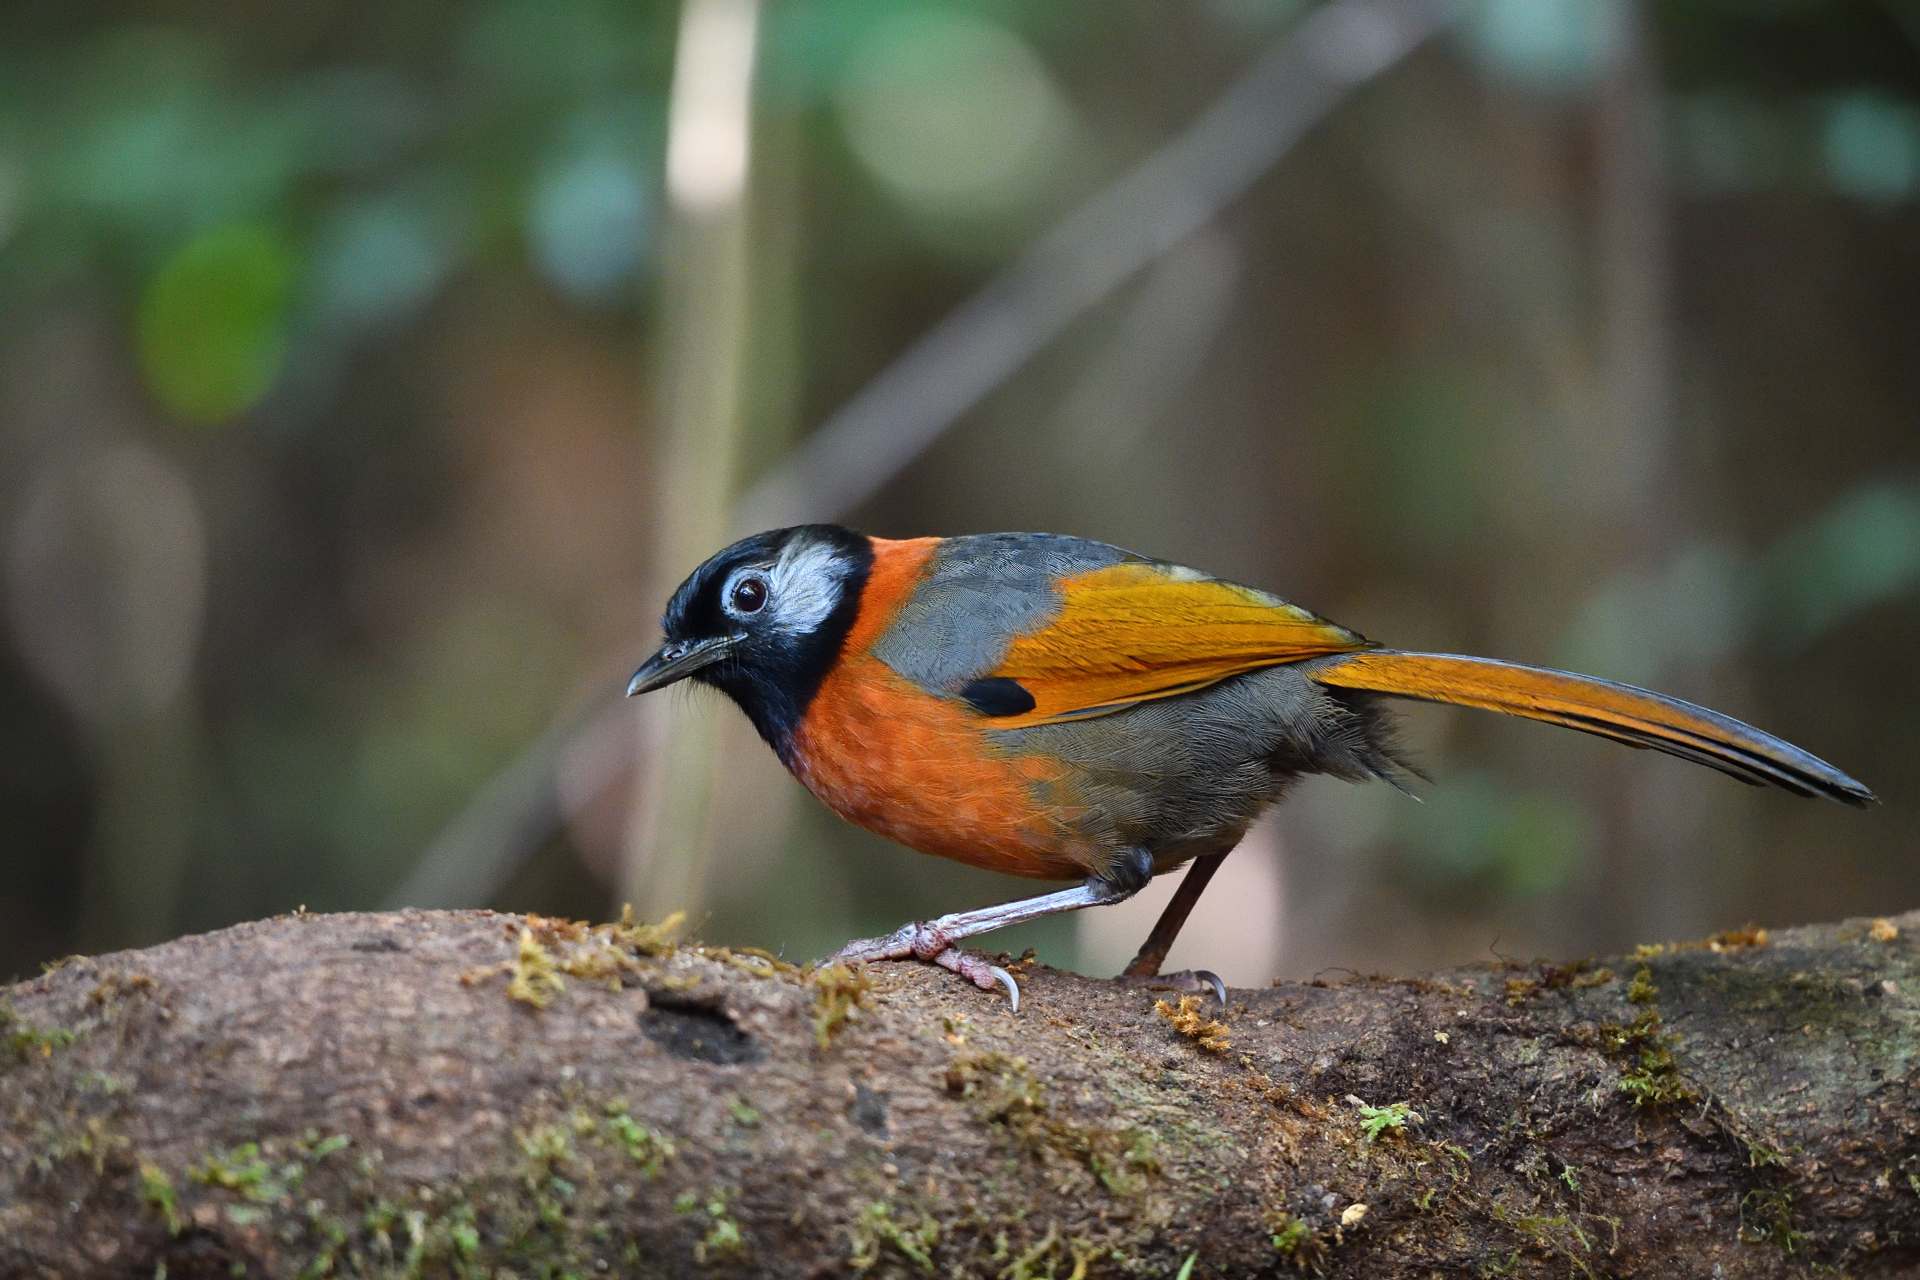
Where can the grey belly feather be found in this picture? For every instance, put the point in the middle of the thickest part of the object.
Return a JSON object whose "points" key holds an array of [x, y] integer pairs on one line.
{"points": [[1185, 776]]}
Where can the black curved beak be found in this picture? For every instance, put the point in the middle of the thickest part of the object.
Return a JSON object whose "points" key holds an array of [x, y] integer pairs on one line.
{"points": [[677, 660]]}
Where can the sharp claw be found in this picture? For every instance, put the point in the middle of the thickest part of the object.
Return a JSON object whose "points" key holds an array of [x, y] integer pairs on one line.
{"points": [[1212, 979], [1005, 979]]}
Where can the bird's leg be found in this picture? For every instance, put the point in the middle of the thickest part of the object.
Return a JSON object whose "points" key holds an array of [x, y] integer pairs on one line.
{"points": [[1144, 968], [933, 940]]}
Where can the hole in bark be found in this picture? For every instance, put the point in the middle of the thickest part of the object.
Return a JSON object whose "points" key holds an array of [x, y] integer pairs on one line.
{"points": [[700, 1032], [197, 1254], [870, 1110]]}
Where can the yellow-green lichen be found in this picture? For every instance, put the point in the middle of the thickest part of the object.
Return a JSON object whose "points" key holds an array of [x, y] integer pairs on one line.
{"points": [[839, 993], [536, 979], [1122, 1163], [646, 939], [156, 1192], [244, 1170], [1003, 1092], [1040, 1260], [548, 948], [723, 1237], [28, 1041], [645, 1147], [877, 1230]]}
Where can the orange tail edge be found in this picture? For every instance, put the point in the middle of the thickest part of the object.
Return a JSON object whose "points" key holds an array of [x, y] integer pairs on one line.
{"points": [[1637, 717]]}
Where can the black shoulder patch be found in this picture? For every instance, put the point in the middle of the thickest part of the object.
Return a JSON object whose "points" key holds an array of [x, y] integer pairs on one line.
{"points": [[997, 696]]}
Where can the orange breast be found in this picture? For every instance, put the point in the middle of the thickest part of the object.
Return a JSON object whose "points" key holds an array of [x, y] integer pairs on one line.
{"points": [[917, 768]]}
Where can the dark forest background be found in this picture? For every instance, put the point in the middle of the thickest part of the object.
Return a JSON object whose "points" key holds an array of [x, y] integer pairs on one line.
{"points": [[369, 372]]}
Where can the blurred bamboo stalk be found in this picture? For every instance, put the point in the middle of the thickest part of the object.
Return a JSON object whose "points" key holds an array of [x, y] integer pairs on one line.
{"points": [[706, 318], [1636, 462]]}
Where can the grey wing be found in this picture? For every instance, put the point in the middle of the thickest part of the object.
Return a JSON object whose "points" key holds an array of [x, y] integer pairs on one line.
{"points": [[982, 591]]}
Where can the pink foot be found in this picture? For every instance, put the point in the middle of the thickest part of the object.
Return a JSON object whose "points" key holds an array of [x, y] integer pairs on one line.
{"points": [[928, 943]]}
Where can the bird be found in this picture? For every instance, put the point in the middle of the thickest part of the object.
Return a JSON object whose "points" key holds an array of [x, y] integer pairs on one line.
{"points": [[1061, 709]]}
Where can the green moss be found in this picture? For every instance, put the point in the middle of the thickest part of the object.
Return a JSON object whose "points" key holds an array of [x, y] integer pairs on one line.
{"points": [[877, 1230], [645, 1147], [1375, 1121], [1557, 1235], [545, 1144], [723, 1237], [1300, 1247], [839, 993], [1123, 1164], [93, 1142], [646, 939], [1766, 1217], [548, 1148], [156, 1192], [536, 979], [1038, 1261], [28, 1041], [1641, 990], [245, 1170], [743, 1113], [1650, 1076], [1003, 1092], [316, 1148]]}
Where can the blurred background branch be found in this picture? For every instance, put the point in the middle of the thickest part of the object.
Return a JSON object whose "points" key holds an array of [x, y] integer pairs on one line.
{"points": [[365, 384]]}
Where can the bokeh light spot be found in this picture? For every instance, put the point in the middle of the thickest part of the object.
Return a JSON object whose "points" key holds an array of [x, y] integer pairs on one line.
{"points": [[211, 327], [1872, 146], [1554, 46], [588, 223], [953, 113]]}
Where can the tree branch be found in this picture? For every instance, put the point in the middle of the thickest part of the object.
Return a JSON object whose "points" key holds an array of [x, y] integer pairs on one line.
{"points": [[474, 1093]]}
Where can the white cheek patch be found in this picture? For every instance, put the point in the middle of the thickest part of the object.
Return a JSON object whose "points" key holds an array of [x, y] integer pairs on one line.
{"points": [[806, 586]]}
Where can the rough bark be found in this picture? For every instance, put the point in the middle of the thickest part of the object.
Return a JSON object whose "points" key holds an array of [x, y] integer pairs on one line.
{"points": [[443, 1093]]}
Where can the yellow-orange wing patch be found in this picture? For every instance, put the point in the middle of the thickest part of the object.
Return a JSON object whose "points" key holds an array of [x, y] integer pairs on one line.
{"points": [[1135, 632]]}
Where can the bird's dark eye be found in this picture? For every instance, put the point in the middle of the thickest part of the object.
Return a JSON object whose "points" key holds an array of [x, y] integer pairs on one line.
{"points": [[749, 595]]}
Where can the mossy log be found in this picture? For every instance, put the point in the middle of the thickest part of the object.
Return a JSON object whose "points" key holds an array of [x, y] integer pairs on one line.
{"points": [[481, 1094]]}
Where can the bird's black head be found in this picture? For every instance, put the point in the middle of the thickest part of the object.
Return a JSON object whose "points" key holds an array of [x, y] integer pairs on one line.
{"points": [[763, 622]]}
